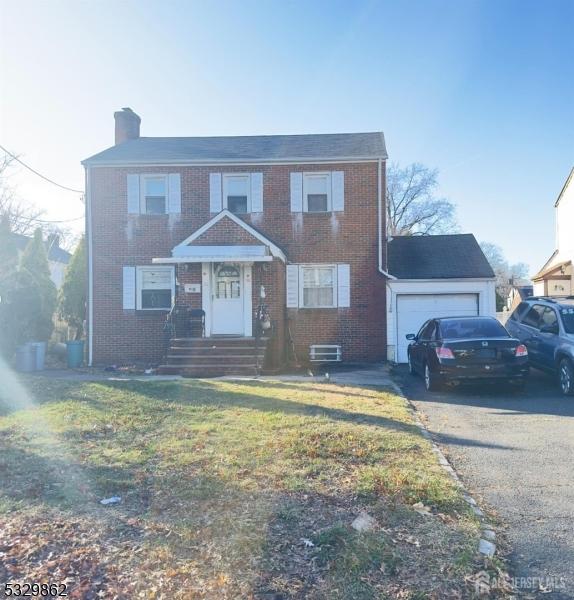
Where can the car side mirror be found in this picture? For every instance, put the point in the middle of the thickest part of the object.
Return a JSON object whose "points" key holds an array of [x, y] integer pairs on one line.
{"points": [[411, 336], [549, 329]]}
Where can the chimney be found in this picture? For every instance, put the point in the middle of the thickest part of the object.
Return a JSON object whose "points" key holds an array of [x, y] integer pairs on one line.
{"points": [[127, 125]]}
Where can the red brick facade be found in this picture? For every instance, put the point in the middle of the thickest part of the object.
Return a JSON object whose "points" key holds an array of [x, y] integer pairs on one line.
{"points": [[350, 237]]}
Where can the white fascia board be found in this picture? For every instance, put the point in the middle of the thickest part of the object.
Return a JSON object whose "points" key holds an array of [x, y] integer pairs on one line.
{"points": [[275, 250], [210, 259]]}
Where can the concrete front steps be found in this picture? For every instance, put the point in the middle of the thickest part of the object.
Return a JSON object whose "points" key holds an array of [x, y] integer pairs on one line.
{"points": [[214, 356]]}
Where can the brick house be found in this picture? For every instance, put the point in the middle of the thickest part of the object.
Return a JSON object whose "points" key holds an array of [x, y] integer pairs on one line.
{"points": [[201, 233]]}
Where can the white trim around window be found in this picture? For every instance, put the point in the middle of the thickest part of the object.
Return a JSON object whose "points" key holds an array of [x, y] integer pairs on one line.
{"points": [[318, 286], [317, 183], [155, 288], [159, 180], [237, 185]]}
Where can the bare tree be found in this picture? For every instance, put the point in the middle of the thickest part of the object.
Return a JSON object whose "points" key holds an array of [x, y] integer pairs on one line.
{"points": [[413, 208], [23, 217], [507, 275]]}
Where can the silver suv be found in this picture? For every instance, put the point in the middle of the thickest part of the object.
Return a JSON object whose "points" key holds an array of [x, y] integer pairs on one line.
{"points": [[546, 327]]}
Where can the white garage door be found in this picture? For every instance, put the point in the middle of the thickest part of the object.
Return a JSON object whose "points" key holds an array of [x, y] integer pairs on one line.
{"points": [[414, 309]]}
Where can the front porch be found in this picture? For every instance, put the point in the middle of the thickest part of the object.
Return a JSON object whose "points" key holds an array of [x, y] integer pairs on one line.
{"points": [[226, 309]]}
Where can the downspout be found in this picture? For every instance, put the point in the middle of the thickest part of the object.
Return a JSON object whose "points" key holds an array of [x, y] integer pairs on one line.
{"points": [[90, 267], [380, 220]]}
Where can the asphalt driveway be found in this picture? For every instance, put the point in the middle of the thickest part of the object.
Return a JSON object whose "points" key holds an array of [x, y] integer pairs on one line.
{"points": [[515, 452]]}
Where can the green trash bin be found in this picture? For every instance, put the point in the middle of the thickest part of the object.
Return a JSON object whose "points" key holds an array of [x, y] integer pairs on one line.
{"points": [[75, 353]]}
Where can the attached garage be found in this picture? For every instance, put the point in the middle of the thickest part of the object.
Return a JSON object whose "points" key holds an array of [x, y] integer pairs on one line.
{"points": [[414, 309], [435, 276]]}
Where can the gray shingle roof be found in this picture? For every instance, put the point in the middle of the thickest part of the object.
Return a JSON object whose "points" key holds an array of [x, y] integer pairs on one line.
{"points": [[330, 146], [437, 257]]}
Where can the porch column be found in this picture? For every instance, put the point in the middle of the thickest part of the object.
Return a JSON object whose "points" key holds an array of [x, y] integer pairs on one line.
{"points": [[206, 295], [247, 301]]}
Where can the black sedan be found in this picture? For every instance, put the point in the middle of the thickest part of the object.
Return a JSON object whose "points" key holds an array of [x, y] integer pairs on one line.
{"points": [[466, 349]]}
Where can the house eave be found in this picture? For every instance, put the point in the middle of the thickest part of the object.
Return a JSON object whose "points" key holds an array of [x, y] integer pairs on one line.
{"points": [[222, 162]]}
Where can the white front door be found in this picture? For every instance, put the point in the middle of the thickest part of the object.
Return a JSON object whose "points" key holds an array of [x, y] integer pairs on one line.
{"points": [[227, 300]]}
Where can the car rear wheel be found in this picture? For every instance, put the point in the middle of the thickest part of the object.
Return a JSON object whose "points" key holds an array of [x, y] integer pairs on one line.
{"points": [[432, 384], [566, 377], [411, 368]]}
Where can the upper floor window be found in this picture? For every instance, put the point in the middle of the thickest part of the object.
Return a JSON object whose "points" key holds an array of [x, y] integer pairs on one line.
{"points": [[154, 194], [155, 288], [237, 193], [317, 192]]}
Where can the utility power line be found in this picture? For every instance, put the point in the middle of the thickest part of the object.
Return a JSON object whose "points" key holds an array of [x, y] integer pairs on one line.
{"points": [[64, 187]]}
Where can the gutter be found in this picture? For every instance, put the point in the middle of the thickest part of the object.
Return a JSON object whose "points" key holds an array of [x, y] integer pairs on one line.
{"points": [[380, 221]]}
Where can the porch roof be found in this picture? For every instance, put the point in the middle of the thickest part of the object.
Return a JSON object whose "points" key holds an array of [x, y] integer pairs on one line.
{"points": [[200, 254]]}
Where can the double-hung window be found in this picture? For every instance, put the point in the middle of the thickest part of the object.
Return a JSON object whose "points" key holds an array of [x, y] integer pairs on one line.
{"points": [[155, 288], [319, 286], [317, 192], [153, 194], [237, 193]]}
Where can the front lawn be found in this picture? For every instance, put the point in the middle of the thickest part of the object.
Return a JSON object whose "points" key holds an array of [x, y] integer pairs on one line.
{"points": [[228, 489]]}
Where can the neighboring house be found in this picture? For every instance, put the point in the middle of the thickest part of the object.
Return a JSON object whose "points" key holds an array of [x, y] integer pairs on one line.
{"points": [[555, 277], [434, 276], [223, 224], [58, 258], [517, 294]]}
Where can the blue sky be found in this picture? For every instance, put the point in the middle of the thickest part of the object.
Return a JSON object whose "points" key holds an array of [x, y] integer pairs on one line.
{"points": [[481, 90]]}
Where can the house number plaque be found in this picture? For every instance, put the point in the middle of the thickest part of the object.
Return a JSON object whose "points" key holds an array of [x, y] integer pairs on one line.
{"points": [[192, 288]]}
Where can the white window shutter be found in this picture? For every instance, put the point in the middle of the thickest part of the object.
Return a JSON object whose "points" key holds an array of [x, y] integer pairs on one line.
{"points": [[174, 193], [344, 286], [292, 286], [133, 194], [215, 202], [296, 192], [129, 288], [338, 190], [256, 192]]}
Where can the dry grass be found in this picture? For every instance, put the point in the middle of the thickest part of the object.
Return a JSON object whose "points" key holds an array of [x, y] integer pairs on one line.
{"points": [[229, 490]]}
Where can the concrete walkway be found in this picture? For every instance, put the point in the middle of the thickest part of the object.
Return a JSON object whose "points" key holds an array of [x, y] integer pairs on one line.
{"points": [[373, 375]]}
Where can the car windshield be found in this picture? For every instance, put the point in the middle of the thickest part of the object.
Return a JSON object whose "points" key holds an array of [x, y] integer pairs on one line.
{"points": [[471, 328], [567, 315]]}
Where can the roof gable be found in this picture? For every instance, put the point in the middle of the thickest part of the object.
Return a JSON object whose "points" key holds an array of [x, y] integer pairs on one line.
{"points": [[226, 229], [438, 257]]}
